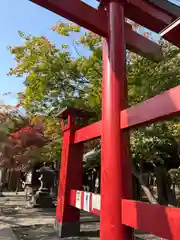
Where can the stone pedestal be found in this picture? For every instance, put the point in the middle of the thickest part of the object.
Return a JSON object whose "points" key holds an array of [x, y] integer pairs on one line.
{"points": [[42, 198]]}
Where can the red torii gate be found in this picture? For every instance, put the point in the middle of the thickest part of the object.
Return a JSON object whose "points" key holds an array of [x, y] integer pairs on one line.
{"points": [[119, 214]]}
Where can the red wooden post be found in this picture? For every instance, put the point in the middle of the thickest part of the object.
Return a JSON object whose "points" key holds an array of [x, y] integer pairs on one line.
{"points": [[115, 184], [67, 217]]}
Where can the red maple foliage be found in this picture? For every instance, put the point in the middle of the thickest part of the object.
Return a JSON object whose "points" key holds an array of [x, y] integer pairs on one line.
{"points": [[20, 143], [29, 136]]}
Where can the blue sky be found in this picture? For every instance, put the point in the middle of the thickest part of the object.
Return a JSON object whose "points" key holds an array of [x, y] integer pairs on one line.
{"points": [[30, 18], [25, 16]]}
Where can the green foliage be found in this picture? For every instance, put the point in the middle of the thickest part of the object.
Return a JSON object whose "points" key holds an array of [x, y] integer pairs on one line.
{"points": [[147, 78], [54, 78], [65, 28], [50, 73]]}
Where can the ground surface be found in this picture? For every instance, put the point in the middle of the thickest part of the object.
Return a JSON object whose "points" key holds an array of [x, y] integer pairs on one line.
{"points": [[19, 222], [38, 224]]}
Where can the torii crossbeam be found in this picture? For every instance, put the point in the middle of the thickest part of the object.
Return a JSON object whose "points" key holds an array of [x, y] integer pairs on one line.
{"points": [[119, 214]]}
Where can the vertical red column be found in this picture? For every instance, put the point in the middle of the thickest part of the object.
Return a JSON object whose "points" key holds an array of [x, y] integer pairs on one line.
{"points": [[67, 217], [115, 177]]}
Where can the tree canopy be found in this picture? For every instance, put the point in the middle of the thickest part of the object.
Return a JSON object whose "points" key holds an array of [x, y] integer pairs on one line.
{"points": [[55, 77], [20, 140]]}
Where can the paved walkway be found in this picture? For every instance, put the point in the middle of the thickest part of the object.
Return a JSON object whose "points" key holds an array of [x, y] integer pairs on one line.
{"points": [[6, 231], [19, 222]]}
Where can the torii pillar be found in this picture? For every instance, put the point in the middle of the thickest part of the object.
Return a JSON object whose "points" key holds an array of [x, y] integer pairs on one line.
{"points": [[115, 163]]}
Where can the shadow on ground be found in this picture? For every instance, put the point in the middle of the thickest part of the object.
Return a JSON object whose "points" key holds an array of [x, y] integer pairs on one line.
{"points": [[46, 232], [15, 212], [38, 224], [36, 232]]}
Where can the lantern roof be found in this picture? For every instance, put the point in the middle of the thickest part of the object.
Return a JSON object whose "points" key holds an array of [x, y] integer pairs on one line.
{"points": [[75, 112]]}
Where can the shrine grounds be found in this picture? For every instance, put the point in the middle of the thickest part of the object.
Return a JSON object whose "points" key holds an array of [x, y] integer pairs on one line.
{"points": [[20, 222]]}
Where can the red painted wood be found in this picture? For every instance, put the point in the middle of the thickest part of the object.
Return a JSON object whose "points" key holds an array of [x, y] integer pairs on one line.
{"points": [[88, 132], [78, 12], [97, 21], [154, 109], [167, 6], [91, 210], [158, 220], [140, 11], [72, 201], [95, 211], [147, 15], [70, 176], [172, 33], [82, 199], [144, 217], [114, 142], [141, 45], [72, 198], [113, 157], [152, 17]]}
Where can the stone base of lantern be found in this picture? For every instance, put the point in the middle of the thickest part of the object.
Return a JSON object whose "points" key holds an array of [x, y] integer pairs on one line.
{"points": [[43, 199]]}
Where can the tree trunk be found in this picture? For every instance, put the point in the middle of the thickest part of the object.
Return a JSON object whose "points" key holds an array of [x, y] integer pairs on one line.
{"points": [[170, 191], [161, 188], [146, 190], [136, 188], [166, 195]]}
